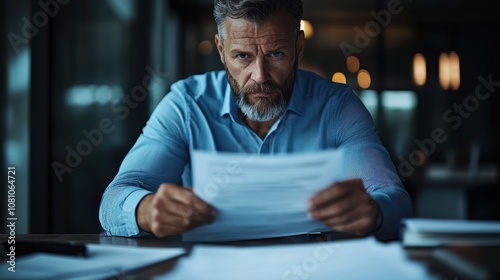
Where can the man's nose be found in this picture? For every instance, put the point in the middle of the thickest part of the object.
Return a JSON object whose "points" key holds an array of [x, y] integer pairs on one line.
{"points": [[259, 71]]}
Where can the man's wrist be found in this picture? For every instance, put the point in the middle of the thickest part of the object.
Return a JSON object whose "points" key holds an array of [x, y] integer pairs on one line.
{"points": [[141, 216]]}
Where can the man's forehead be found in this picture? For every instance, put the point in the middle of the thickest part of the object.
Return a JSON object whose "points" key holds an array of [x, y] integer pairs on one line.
{"points": [[275, 29], [272, 42]]}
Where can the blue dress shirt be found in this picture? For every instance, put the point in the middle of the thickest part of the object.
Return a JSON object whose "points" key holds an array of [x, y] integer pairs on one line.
{"points": [[200, 113]]}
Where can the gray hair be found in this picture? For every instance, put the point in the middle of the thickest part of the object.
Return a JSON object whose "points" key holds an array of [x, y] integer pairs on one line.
{"points": [[257, 11]]}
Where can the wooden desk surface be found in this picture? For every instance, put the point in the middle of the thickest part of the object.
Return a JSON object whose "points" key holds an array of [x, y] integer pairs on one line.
{"points": [[419, 255]]}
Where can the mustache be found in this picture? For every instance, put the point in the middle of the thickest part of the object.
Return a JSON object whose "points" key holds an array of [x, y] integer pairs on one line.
{"points": [[266, 87]]}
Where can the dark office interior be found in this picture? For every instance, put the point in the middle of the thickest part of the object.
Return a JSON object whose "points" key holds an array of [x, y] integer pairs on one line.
{"points": [[79, 79]]}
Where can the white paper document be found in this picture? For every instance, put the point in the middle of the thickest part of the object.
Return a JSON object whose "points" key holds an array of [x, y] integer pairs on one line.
{"points": [[102, 262], [353, 259], [435, 232], [260, 196]]}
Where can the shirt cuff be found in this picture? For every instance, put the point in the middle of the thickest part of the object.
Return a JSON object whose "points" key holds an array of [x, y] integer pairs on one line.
{"points": [[130, 227]]}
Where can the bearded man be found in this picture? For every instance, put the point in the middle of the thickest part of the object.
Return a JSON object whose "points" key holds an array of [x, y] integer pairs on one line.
{"points": [[260, 104]]}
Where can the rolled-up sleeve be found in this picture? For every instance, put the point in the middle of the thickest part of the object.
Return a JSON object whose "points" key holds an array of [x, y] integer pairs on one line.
{"points": [[158, 156]]}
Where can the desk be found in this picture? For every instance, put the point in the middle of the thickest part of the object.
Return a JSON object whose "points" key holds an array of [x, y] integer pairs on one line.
{"points": [[418, 255]]}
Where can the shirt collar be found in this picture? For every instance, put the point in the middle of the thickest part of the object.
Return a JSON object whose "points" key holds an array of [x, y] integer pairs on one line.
{"points": [[297, 101], [229, 104]]}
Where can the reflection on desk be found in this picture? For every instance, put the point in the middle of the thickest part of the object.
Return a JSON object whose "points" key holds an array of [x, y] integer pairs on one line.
{"points": [[471, 262]]}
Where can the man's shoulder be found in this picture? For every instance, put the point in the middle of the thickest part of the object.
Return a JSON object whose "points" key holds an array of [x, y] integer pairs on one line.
{"points": [[211, 83], [318, 85], [215, 76]]}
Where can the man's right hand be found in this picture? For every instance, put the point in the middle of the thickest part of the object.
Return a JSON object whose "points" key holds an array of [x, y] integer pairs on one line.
{"points": [[173, 210]]}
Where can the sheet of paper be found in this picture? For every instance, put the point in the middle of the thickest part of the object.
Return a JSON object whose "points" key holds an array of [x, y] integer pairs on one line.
{"points": [[354, 259], [435, 232], [103, 261], [449, 226], [260, 196]]}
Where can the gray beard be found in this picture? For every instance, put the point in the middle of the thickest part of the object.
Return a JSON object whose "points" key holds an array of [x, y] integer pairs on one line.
{"points": [[259, 112], [262, 110]]}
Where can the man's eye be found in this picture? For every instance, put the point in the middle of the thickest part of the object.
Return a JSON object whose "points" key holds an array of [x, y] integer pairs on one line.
{"points": [[242, 56], [276, 54]]}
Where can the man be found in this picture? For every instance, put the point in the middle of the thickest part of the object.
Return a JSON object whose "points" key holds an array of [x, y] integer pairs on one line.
{"points": [[261, 104]]}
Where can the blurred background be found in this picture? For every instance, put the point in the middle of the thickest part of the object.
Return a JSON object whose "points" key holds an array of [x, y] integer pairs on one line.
{"points": [[79, 79]]}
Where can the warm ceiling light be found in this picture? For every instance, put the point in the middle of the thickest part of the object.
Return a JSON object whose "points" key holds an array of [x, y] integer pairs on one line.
{"points": [[454, 70], [419, 69], [339, 77], [352, 64], [307, 27], [364, 79], [444, 71]]}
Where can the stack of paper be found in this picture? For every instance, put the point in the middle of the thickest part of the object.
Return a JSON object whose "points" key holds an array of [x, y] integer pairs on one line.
{"points": [[435, 232], [260, 196]]}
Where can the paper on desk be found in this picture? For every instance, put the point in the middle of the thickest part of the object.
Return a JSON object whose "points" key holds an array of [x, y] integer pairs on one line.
{"points": [[260, 196], [424, 232], [354, 259], [103, 261], [450, 226]]}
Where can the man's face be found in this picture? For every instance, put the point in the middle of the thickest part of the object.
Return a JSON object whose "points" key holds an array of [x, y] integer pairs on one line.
{"points": [[260, 61]]}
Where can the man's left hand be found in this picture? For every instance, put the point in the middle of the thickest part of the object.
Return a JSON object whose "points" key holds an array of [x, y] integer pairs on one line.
{"points": [[345, 207]]}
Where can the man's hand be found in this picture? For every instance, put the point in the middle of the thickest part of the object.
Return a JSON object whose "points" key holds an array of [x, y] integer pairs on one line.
{"points": [[345, 207], [173, 210]]}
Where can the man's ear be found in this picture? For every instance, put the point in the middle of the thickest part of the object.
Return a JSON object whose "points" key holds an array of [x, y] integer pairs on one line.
{"points": [[300, 45], [220, 47]]}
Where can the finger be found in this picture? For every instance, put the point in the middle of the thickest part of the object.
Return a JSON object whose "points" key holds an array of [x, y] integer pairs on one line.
{"points": [[186, 197], [175, 193], [354, 201], [182, 202], [165, 211], [334, 192], [166, 221], [200, 205], [359, 220], [190, 213], [362, 225], [348, 217], [338, 208], [325, 197], [162, 230]]}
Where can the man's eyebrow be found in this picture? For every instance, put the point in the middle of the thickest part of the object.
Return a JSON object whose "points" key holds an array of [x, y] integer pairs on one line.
{"points": [[279, 47], [238, 51]]}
